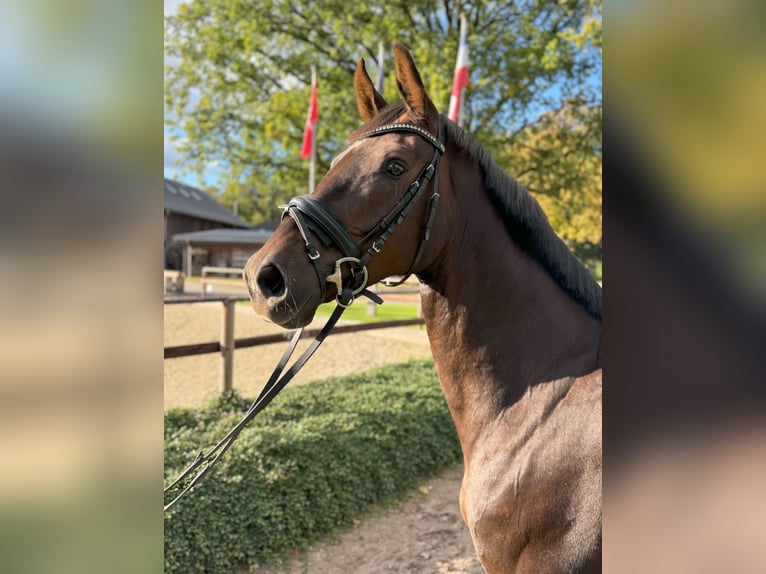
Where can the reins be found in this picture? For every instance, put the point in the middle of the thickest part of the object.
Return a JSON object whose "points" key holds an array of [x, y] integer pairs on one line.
{"points": [[311, 216], [204, 461]]}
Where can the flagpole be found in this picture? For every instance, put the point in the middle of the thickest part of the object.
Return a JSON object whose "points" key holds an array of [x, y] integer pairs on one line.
{"points": [[381, 56], [463, 34], [312, 161]]}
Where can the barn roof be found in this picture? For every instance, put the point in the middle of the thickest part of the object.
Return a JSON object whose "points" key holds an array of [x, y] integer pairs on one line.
{"points": [[228, 236], [187, 200]]}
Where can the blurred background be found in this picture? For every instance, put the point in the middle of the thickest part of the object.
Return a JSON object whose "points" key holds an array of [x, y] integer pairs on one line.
{"points": [[80, 321], [685, 298], [685, 227]]}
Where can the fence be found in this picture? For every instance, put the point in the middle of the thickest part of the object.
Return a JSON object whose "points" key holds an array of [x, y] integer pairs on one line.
{"points": [[227, 344], [174, 281], [207, 271]]}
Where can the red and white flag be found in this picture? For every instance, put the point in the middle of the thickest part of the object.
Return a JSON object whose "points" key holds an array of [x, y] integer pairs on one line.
{"points": [[311, 119], [461, 75]]}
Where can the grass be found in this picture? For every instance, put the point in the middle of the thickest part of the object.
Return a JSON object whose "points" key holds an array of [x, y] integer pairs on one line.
{"points": [[385, 312]]}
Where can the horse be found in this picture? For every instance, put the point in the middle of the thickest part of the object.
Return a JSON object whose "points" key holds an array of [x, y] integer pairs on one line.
{"points": [[513, 318]]}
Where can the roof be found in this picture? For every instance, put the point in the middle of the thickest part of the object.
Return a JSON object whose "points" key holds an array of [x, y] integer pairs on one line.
{"points": [[187, 200], [229, 236]]}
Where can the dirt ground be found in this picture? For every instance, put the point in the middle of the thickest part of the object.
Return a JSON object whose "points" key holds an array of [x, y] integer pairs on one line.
{"points": [[424, 534]]}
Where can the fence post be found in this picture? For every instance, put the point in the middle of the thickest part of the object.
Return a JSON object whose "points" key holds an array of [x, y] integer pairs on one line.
{"points": [[227, 345]]}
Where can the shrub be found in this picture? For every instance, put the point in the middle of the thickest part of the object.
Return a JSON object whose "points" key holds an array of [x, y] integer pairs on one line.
{"points": [[306, 466]]}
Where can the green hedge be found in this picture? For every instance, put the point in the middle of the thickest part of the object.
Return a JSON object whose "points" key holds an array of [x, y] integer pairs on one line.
{"points": [[307, 465]]}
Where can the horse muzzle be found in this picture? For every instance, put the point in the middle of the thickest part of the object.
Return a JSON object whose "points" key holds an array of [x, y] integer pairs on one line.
{"points": [[277, 297]]}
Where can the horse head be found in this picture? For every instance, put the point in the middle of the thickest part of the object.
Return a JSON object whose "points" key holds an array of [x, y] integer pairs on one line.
{"points": [[369, 218]]}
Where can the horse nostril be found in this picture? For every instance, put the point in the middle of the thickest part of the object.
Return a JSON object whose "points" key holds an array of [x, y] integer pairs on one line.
{"points": [[270, 281]]}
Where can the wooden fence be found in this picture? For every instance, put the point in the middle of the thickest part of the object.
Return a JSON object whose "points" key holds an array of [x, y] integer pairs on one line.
{"points": [[227, 344], [208, 270]]}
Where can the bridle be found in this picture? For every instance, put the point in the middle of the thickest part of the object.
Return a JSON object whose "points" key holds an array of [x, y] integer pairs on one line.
{"points": [[310, 215]]}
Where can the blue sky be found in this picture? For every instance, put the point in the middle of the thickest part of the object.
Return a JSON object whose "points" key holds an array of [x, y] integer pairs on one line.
{"points": [[174, 171]]}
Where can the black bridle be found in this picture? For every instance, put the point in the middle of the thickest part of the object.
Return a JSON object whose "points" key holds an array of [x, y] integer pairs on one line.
{"points": [[312, 217]]}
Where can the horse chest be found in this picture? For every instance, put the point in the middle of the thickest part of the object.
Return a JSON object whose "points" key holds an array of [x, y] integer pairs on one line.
{"points": [[531, 491]]}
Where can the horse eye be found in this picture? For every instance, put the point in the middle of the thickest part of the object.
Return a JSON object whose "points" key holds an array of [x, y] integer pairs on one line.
{"points": [[395, 168]]}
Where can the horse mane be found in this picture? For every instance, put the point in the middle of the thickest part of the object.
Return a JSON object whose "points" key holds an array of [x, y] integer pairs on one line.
{"points": [[524, 219]]}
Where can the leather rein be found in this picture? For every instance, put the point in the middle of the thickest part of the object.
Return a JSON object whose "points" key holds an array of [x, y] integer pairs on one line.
{"points": [[312, 217]]}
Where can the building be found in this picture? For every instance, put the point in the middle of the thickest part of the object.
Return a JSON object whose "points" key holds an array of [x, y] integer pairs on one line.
{"points": [[221, 247], [200, 231]]}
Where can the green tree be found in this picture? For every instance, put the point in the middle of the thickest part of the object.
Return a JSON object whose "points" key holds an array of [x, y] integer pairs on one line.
{"points": [[559, 159], [237, 83]]}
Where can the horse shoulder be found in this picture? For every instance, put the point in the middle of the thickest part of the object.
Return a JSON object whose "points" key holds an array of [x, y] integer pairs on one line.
{"points": [[549, 442]]}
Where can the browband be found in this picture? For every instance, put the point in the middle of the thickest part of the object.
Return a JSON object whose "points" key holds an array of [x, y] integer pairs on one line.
{"points": [[405, 127]]}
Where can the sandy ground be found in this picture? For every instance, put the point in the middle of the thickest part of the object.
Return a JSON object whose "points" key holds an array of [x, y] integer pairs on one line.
{"points": [[423, 534], [194, 381]]}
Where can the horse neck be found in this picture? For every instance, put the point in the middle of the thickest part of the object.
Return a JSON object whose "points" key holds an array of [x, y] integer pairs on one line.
{"points": [[498, 323]]}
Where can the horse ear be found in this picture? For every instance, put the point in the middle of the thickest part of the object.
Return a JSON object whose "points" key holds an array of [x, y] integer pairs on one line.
{"points": [[368, 100], [411, 87]]}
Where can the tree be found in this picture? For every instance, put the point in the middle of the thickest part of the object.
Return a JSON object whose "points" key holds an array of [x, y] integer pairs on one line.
{"points": [[559, 160], [238, 86]]}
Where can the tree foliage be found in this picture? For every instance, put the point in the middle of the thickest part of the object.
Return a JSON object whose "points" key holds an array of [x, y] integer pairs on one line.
{"points": [[238, 74], [558, 159]]}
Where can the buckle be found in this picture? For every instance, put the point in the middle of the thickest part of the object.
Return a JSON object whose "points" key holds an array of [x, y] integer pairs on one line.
{"points": [[341, 302], [337, 278]]}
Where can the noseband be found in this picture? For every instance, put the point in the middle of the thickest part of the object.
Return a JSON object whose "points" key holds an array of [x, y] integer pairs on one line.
{"points": [[311, 216]]}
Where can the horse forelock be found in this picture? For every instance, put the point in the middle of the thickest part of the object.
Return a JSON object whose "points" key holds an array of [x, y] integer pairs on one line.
{"points": [[387, 115]]}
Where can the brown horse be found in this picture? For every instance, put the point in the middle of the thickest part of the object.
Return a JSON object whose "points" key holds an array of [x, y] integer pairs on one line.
{"points": [[514, 320]]}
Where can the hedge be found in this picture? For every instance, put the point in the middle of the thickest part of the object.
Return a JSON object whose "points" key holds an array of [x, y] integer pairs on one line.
{"points": [[318, 456]]}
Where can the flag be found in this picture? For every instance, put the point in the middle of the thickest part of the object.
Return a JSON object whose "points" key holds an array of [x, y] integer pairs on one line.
{"points": [[461, 75], [311, 119]]}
